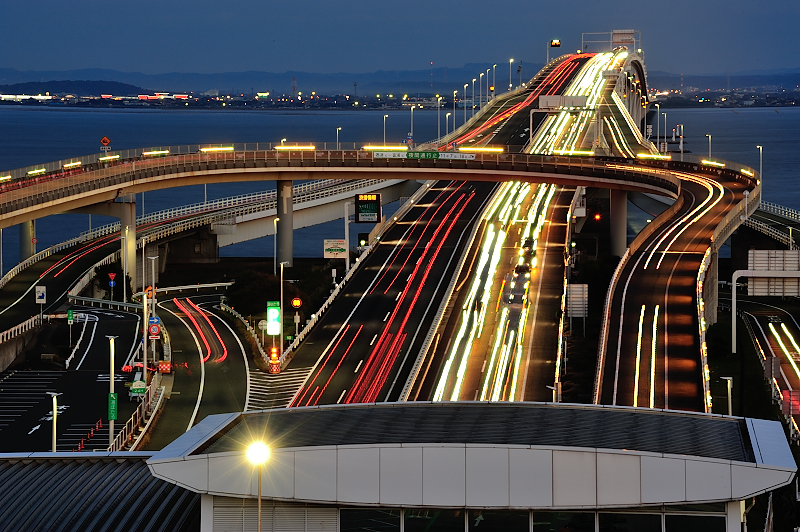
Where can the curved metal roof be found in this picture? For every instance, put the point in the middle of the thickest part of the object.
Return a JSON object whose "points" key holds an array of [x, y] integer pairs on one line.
{"points": [[545, 424], [87, 493]]}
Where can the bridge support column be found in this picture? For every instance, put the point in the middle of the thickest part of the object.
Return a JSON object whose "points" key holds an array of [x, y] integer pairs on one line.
{"points": [[27, 234], [127, 218], [619, 222], [285, 206]]}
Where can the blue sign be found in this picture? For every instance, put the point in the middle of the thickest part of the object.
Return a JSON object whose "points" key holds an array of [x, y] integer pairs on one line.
{"points": [[154, 320], [112, 284]]}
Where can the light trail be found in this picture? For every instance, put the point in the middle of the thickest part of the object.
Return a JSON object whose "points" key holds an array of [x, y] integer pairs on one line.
{"points": [[784, 349], [653, 359], [638, 359]]}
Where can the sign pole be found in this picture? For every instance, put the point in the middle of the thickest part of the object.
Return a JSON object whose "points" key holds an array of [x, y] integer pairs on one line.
{"points": [[347, 236], [112, 397]]}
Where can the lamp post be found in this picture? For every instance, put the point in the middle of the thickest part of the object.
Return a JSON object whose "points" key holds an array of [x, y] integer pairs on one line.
{"points": [[412, 124], [111, 395], [446, 127], [487, 85], [275, 245], [438, 117], [384, 128], [658, 127], [729, 381], [666, 149], [510, 61], [257, 454], [760, 162], [480, 91], [465, 102], [473, 97], [55, 413], [494, 79], [709, 144], [338, 129], [347, 236], [281, 305], [282, 141], [455, 96]]}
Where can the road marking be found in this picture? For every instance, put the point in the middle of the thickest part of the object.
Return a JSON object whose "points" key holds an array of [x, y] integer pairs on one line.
{"points": [[339, 400], [244, 357], [398, 295], [359, 365], [89, 345], [638, 360], [653, 360], [387, 316], [373, 339], [202, 366]]}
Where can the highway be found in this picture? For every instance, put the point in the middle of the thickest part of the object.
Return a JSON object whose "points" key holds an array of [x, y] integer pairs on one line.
{"points": [[362, 349], [653, 352]]}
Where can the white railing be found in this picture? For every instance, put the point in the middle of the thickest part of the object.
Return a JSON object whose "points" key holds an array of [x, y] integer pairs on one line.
{"points": [[780, 210], [252, 331], [770, 231], [137, 418], [35, 258], [78, 343], [104, 303], [154, 408], [25, 326], [701, 326]]}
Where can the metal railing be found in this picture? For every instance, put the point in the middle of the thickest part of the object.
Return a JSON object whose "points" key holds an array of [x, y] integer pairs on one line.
{"points": [[83, 282], [701, 326], [181, 288], [780, 210], [138, 417], [36, 258], [104, 303], [252, 331], [25, 326], [770, 231]]}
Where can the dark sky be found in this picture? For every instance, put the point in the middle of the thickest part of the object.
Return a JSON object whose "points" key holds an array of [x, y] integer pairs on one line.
{"points": [[689, 36]]}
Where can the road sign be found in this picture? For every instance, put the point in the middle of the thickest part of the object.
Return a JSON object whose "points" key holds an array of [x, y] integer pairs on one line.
{"points": [[41, 295], [273, 318], [34, 240], [70, 317], [297, 302], [112, 275], [154, 320], [112, 284], [112, 407], [262, 325], [447, 155], [334, 248], [368, 207], [105, 141], [105, 148], [138, 387], [154, 329]]}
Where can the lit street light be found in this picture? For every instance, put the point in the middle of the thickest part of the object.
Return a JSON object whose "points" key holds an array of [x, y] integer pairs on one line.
{"points": [[666, 149], [412, 124], [709, 144], [438, 117], [338, 129], [455, 96], [493, 79], [447, 124], [384, 128], [487, 85], [282, 141], [510, 61], [658, 127], [760, 162], [473, 97], [480, 91], [55, 413], [257, 454], [729, 381], [464, 102], [275, 245]]}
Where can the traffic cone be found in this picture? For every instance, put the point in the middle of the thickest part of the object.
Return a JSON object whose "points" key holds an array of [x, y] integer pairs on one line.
{"points": [[80, 445], [100, 424], [90, 434]]}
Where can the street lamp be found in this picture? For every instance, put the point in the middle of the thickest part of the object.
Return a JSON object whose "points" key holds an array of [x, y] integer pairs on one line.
{"points": [[384, 128], [658, 128], [282, 141], [281, 305], [729, 381], [438, 117], [464, 102], [275, 245], [412, 124], [446, 127], [480, 91], [487, 85], [55, 413], [112, 397], [760, 161], [473, 97], [509, 73], [338, 129], [455, 96], [709, 144], [257, 454], [493, 79], [665, 133]]}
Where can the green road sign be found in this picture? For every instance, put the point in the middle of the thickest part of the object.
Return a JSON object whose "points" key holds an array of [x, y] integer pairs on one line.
{"points": [[422, 155], [273, 318], [112, 407], [70, 317]]}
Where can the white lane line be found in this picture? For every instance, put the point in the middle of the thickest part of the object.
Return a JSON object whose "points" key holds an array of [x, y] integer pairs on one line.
{"points": [[244, 357], [359, 365], [373, 339], [339, 400], [202, 365], [91, 339], [387, 316]]}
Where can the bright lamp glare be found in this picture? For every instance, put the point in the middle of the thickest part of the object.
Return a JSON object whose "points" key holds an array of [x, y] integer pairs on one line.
{"points": [[258, 453]]}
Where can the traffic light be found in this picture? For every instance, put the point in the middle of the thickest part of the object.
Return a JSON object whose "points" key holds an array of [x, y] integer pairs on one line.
{"points": [[597, 217], [273, 354]]}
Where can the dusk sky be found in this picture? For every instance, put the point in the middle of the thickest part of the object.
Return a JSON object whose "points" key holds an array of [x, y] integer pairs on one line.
{"points": [[689, 36]]}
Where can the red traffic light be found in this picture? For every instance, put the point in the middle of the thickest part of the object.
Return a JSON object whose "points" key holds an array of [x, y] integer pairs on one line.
{"points": [[297, 302], [597, 216]]}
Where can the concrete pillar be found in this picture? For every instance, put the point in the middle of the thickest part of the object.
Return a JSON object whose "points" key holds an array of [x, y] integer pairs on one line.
{"points": [[619, 222], [127, 218], [27, 233], [286, 223]]}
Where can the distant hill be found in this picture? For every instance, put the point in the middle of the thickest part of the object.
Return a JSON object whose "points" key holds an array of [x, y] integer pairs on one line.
{"points": [[78, 88], [667, 81]]}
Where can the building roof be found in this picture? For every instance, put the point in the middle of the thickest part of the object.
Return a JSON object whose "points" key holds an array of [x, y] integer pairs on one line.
{"points": [[111, 492], [666, 432]]}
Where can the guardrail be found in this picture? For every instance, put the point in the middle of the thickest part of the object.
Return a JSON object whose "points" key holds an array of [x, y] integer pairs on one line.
{"points": [[780, 210], [89, 275], [139, 415], [181, 288], [252, 331], [25, 326], [770, 231], [35, 258], [701, 326], [104, 303]]}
